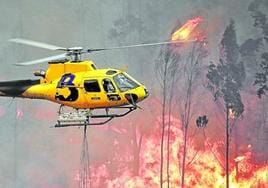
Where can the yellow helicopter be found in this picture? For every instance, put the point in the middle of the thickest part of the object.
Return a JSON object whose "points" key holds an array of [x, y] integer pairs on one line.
{"points": [[79, 84]]}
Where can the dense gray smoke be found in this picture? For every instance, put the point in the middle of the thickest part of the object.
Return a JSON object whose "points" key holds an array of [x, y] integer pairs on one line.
{"points": [[35, 155]]}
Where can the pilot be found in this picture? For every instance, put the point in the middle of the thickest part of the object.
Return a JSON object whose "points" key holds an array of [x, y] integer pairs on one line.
{"points": [[108, 86]]}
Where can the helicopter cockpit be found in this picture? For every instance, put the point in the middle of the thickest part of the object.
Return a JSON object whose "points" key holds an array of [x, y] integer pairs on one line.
{"points": [[124, 82]]}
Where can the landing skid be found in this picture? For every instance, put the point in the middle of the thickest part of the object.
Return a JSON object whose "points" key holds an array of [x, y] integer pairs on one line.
{"points": [[83, 117]]}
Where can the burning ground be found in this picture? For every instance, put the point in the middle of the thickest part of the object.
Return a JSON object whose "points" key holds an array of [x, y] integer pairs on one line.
{"points": [[205, 162], [127, 152]]}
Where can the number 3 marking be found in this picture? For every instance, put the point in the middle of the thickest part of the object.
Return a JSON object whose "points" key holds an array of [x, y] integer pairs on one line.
{"points": [[65, 81]]}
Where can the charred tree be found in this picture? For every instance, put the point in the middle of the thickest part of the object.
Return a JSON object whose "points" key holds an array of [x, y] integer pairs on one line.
{"points": [[173, 75], [191, 72], [162, 71], [174, 59], [172, 72], [225, 81], [166, 69]]}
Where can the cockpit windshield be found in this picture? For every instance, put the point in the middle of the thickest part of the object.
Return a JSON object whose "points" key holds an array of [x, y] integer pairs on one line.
{"points": [[124, 83]]}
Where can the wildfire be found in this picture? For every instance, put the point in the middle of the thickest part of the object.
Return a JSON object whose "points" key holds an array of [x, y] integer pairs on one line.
{"points": [[204, 168], [185, 31], [232, 113], [239, 158]]}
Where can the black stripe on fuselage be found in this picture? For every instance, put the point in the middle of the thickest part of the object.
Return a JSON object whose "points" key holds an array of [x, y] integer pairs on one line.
{"points": [[16, 88]]}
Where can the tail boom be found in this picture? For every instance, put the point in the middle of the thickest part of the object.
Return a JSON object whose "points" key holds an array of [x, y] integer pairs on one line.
{"points": [[16, 88]]}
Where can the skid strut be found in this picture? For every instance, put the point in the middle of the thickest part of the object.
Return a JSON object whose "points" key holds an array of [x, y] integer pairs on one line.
{"points": [[81, 117]]}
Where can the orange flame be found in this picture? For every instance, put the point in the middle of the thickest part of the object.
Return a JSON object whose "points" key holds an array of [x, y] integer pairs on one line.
{"points": [[232, 113], [205, 167], [239, 158], [204, 170], [185, 31]]}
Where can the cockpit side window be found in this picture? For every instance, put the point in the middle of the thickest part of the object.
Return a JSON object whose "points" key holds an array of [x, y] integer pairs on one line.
{"points": [[108, 85], [124, 83], [91, 86]]}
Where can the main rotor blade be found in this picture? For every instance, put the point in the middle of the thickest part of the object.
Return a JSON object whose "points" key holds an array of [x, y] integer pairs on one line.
{"points": [[139, 45], [37, 61], [36, 44]]}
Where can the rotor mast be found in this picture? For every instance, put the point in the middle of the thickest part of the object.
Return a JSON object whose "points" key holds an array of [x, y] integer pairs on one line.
{"points": [[75, 53]]}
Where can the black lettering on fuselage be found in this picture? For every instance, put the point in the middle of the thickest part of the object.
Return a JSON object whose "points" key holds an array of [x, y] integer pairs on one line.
{"points": [[67, 81]]}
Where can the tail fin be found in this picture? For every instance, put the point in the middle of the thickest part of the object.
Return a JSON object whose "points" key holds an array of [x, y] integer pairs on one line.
{"points": [[16, 88]]}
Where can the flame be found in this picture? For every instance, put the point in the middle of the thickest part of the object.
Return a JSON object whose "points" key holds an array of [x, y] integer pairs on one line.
{"points": [[185, 31], [232, 113], [205, 165], [239, 158], [206, 168]]}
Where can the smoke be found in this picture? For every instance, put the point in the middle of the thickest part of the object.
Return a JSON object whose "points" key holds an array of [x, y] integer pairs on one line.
{"points": [[35, 155]]}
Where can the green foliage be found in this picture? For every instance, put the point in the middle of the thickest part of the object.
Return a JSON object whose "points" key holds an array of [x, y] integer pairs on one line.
{"points": [[260, 22], [226, 77], [262, 76], [250, 47], [229, 44]]}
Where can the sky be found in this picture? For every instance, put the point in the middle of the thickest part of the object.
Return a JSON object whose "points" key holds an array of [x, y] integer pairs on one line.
{"points": [[31, 151]]}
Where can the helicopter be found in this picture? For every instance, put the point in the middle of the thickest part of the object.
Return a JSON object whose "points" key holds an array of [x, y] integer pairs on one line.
{"points": [[80, 85]]}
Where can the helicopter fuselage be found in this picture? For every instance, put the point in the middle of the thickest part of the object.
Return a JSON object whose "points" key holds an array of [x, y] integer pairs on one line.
{"points": [[79, 85]]}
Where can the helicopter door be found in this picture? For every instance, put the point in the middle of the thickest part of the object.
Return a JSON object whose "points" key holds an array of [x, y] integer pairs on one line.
{"points": [[93, 92], [110, 90]]}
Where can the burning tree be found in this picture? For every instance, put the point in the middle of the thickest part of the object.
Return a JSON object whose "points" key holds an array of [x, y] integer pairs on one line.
{"points": [[202, 172], [225, 81], [191, 73], [255, 56], [166, 68]]}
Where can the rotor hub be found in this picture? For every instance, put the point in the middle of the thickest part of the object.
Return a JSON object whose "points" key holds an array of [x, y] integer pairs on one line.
{"points": [[75, 53], [79, 49]]}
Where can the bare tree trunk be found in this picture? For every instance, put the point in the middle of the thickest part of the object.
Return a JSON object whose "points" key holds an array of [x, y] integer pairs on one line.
{"points": [[168, 136], [185, 126], [184, 156], [163, 125], [186, 114], [236, 153], [227, 147], [168, 146], [136, 150]]}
